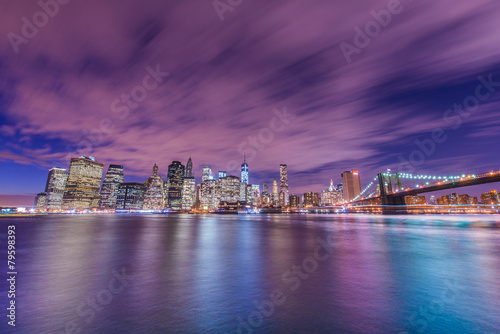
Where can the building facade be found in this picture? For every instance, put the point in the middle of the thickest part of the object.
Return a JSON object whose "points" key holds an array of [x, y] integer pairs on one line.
{"points": [[84, 182], [110, 185], [154, 197], [130, 196], [188, 193], [284, 182], [56, 184], [174, 185], [351, 185]]}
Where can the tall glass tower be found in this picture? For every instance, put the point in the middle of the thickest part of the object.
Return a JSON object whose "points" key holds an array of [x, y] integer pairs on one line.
{"points": [[174, 184], [109, 188], [284, 182], [189, 168], [244, 171]]}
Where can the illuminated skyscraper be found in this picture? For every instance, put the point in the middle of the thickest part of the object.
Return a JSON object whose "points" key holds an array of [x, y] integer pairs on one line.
{"points": [[41, 202], [208, 199], [188, 193], [222, 173], [244, 172], [189, 169], [206, 173], [311, 199], [351, 184], [174, 184], [284, 182], [84, 181], [275, 195], [266, 188], [130, 196], [109, 188], [154, 195], [56, 183], [230, 188], [294, 201]]}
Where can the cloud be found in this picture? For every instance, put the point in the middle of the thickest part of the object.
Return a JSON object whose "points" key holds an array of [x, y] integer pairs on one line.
{"points": [[227, 77]]}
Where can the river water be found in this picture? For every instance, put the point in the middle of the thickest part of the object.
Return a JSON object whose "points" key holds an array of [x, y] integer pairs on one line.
{"points": [[254, 274]]}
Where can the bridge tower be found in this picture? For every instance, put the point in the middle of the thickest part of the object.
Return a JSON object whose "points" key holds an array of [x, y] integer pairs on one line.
{"points": [[389, 183]]}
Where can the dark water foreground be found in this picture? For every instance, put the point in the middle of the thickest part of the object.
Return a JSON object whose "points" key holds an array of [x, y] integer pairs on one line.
{"points": [[254, 274]]}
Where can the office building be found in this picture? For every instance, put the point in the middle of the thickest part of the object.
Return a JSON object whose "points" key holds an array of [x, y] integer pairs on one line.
{"points": [[284, 182], [351, 185], [41, 202], [188, 193], [222, 173], [230, 188], [56, 183], [174, 185], [415, 200], [110, 185], [154, 197], [189, 169], [311, 199], [208, 198], [294, 201], [130, 196], [244, 172], [206, 174], [491, 197], [84, 181]]}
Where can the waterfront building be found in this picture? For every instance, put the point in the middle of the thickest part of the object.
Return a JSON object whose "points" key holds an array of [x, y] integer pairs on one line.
{"points": [[188, 193], [208, 198], [311, 199], [230, 188], [56, 183], [41, 202], [275, 196], [206, 174], [189, 169], [130, 196], [284, 181], [82, 186], [491, 197], [294, 201], [110, 185], [351, 185], [154, 197], [244, 172], [174, 185], [253, 194], [415, 200]]}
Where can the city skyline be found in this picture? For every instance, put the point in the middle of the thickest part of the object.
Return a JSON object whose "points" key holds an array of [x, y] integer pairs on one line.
{"points": [[289, 95]]}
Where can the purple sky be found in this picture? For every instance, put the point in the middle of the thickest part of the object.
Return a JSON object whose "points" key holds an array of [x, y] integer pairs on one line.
{"points": [[226, 78]]}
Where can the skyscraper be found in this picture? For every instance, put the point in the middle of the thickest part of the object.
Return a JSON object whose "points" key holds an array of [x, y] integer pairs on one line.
{"points": [[275, 199], [284, 182], [206, 173], [244, 172], [130, 196], [188, 193], [110, 185], [41, 202], [222, 173], [189, 169], [84, 181], [351, 184], [56, 183], [230, 189], [154, 195], [174, 184]]}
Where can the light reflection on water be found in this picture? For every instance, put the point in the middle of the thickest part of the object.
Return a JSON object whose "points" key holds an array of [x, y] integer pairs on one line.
{"points": [[194, 274]]}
